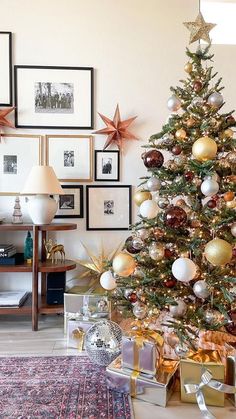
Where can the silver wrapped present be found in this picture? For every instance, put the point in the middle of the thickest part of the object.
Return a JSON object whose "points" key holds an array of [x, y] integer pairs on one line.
{"points": [[156, 390], [76, 330], [231, 376]]}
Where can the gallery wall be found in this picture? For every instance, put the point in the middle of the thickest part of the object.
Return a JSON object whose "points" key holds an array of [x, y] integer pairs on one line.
{"points": [[137, 48]]}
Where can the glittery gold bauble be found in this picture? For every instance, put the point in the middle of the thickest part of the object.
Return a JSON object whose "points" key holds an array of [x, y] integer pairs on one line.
{"points": [[190, 122], [123, 264], [141, 196], [180, 202], [229, 196], [218, 252], [180, 134], [228, 133], [188, 67], [231, 204], [205, 148]]}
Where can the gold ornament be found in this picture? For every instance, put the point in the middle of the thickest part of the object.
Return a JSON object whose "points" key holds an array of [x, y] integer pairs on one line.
{"points": [[199, 29], [141, 196], [123, 264], [188, 67], [228, 133], [205, 148], [229, 196], [180, 134], [231, 204], [190, 122], [218, 252], [180, 202]]}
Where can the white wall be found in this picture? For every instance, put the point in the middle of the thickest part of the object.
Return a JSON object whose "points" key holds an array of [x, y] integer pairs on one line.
{"points": [[137, 48]]}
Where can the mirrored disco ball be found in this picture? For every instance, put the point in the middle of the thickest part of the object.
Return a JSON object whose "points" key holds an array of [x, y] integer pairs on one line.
{"points": [[103, 342]]}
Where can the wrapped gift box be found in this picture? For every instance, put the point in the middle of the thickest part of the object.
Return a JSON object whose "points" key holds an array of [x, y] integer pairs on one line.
{"points": [[156, 390], [76, 331], [191, 370], [231, 376]]}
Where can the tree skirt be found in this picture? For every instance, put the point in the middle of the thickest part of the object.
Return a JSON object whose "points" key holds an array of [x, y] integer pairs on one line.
{"points": [[58, 388]]}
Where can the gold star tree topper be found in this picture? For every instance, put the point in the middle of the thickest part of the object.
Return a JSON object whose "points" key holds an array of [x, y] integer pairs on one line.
{"points": [[116, 129], [199, 29]]}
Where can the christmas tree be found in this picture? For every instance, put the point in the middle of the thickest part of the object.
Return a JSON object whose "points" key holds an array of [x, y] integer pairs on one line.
{"points": [[184, 241]]}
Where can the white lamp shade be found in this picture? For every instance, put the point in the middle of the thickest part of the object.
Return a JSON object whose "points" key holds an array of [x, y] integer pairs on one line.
{"points": [[42, 180]]}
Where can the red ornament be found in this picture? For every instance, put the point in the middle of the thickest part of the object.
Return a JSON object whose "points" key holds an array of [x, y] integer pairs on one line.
{"points": [[170, 283], [197, 86], [129, 246], [132, 297], [211, 203], [168, 253], [231, 327], [176, 150], [230, 120], [189, 176], [175, 217], [153, 159]]}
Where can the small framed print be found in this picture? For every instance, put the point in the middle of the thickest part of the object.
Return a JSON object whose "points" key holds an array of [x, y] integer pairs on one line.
{"points": [[18, 154], [53, 97], [70, 205], [108, 207], [107, 165], [5, 69], [70, 156]]}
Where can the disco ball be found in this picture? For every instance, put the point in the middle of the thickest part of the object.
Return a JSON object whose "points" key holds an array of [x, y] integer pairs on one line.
{"points": [[103, 342]]}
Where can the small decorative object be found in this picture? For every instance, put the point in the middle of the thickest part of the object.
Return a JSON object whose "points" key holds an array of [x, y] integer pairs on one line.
{"points": [[212, 316], [28, 248], [188, 67], [209, 187], [199, 29], [163, 202], [153, 159], [123, 264], [140, 311], [201, 290], [103, 342], [132, 298], [173, 103], [176, 150], [175, 217], [107, 165], [153, 184], [149, 209], [141, 196], [180, 134], [229, 196], [116, 129], [108, 281], [179, 309], [205, 148], [52, 249], [197, 86], [197, 101], [3, 120], [218, 252], [143, 233], [156, 251], [17, 214], [181, 350], [215, 99], [184, 269], [133, 244]]}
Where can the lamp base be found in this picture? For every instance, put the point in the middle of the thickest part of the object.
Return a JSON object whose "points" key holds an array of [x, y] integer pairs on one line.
{"points": [[42, 209]]}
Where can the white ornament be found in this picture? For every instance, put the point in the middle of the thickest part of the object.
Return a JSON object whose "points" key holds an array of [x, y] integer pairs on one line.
{"points": [[153, 184], [209, 187], [197, 101], [173, 103], [107, 281], [184, 269], [201, 290], [233, 229], [179, 310], [215, 99], [148, 209]]}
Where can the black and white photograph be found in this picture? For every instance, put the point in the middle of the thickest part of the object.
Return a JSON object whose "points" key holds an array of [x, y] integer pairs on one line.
{"points": [[67, 202], [5, 69], [107, 165], [10, 165], [109, 207], [69, 158], [54, 97], [70, 205]]}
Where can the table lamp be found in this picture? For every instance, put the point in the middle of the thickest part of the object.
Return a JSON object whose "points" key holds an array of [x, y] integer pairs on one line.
{"points": [[42, 182]]}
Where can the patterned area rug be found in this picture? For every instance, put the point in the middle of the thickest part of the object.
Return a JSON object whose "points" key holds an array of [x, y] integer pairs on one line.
{"points": [[60, 387]]}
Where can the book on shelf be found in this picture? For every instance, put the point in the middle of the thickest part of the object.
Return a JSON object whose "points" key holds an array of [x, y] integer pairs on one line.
{"points": [[13, 298], [8, 253], [16, 259], [6, 247]]}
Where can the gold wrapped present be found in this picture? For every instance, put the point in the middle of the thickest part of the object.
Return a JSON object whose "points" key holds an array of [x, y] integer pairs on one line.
{"points": [[156, 390]]}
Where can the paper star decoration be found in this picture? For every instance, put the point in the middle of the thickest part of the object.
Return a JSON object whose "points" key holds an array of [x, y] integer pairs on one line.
{"points": [[199, 29], [3, 121], [116, 129]]}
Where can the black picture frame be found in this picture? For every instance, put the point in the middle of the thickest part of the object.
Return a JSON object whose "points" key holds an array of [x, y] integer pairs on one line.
{"points": [[21, 76], [98, 197], [99, 175], [67, 212], [8, 70]]}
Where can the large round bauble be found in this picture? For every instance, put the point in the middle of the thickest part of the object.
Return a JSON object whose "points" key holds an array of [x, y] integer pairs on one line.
{"points": [[153, 184], [179, 310], [156, 251], [201, 290], [205, 148], [229, 196], [143, 233], [233, 229], [215, 99], [184, 269], [140, 311], [153, 159], [218, 252], [129, 246], [103, 342], [123, 264], [149, 209], [175, 217], [173, 103], [108, 281], [213, 316], [209, 187], [141, 196]]}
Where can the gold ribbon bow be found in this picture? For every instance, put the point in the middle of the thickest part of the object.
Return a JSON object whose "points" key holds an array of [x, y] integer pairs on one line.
{"points": [[141, 336], [202, 356], [78, 334]]}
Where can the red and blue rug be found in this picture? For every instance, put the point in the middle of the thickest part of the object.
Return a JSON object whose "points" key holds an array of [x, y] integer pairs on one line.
{"points": [[63, 387]]}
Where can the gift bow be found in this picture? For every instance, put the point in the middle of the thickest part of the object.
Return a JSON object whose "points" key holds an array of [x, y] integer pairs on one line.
{"points": [[206, 380], [142, 336]]}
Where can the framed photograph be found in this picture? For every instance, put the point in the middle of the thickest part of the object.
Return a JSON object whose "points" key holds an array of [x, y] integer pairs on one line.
{"points": [[18, 154], [53, 97], [71, 157], [107, 165], [108, 207], [71, 205], [5, 69]]}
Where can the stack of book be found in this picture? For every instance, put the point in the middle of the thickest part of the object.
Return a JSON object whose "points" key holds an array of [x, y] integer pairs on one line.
{"points": [[13, 298], [9, 255]]}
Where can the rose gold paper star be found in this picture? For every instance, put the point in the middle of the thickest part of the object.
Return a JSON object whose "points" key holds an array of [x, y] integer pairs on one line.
{"points": [[3, 121], [199, 29], [116, 129]]}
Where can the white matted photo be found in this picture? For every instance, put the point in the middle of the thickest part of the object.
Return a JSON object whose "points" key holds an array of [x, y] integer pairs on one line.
{"points": [[18, 154], [54, 97], [108, 207], [70, 156], [5, 69], [107, 165], [70, 205]]}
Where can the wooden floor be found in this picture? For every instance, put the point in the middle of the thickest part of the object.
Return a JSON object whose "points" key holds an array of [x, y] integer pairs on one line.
{"points": [[17, 339]]}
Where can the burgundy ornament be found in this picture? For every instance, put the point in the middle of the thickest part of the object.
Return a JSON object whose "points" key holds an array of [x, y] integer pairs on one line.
{"points": [[153, 159], [168, 253], [197, 86], [132, 297], [212, 203], [231, 327], [176, 150], [234, 252], [129, 246], [175, 217], [170, 283], [230, 119], [189, 176]]}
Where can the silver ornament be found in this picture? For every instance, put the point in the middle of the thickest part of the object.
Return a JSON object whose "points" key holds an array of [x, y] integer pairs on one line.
{"points": [[201, 290], [137, 243], [213, 316], [127, 292], [138, 273], [173, 103], [197, 101], [103, 342], [156, 251], [181, 350], [140, 311], [233, 229], [180, 160], [215, 99], [143, 233], [153, 184], [163, 203], [179, 310], [209, 187]]}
